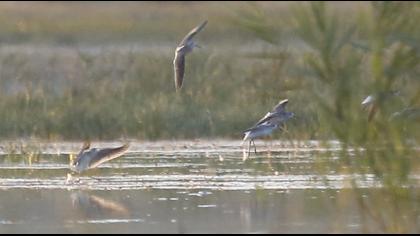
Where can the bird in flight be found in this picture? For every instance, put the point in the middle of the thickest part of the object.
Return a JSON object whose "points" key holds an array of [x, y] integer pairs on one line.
{"points": [[186, 46], [89, 158]]}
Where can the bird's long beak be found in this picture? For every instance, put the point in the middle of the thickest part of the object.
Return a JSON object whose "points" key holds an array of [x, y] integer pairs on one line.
{"points": [[198, 46]]}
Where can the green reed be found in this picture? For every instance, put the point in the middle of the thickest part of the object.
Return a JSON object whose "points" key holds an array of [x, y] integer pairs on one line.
{"points": [[346, 55]]}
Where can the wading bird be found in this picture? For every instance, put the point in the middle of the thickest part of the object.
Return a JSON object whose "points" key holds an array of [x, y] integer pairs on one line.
{"points": [[186, 46], [266, 125], [89, 158]]}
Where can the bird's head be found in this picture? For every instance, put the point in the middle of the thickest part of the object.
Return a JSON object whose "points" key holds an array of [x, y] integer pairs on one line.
{"points": [[288, 115], [292, 114]]}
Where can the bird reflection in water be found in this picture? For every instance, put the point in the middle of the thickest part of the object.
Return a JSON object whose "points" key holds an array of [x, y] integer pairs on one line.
{"points": [[94, 206]]}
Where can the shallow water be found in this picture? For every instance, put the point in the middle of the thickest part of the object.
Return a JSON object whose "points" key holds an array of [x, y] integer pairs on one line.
{"points": [[180, 187]]}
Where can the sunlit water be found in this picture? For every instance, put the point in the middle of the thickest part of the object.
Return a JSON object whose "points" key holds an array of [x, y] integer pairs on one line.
{"points": [[179, 187]]}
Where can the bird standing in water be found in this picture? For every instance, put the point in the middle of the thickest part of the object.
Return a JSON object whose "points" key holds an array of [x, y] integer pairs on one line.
{"points": [[266, 125]]}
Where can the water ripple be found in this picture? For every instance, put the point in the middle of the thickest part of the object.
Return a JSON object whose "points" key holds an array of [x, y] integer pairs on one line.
{"points": [[225, 182]]}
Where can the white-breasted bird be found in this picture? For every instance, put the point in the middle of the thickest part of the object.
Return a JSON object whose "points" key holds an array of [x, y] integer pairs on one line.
{"points": [[266, 125], [185, 46]]}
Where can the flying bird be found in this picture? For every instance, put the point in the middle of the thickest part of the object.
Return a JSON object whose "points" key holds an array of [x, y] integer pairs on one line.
{"points": [[89, 158], [186, 46]]}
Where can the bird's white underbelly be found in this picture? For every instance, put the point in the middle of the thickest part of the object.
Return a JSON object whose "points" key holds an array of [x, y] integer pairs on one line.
{"points": [[258, 133]]}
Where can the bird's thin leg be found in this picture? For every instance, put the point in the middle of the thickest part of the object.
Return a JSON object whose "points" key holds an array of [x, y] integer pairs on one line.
{"points": [[249, 147], [269, 163], [255, 147], [271, 144], [284, 128]]}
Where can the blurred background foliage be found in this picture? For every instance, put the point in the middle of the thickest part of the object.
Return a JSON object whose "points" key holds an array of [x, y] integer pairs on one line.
{"points": [[344, 58], [104, 70]]}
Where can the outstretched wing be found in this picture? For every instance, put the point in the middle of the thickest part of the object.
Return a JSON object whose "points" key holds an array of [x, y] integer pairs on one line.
{"points": [[281, 106], [86, 146], [267, 117], [107, 154], [193, 32], [277, 111], [179, 66]]}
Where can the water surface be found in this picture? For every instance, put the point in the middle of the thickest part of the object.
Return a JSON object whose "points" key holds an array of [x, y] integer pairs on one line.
{"points": [[182, 187]]}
